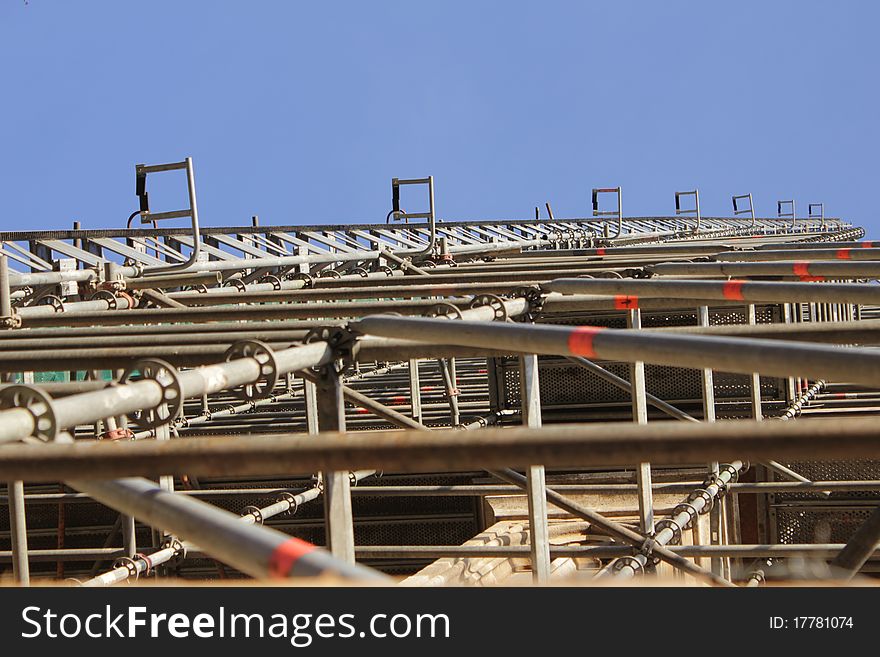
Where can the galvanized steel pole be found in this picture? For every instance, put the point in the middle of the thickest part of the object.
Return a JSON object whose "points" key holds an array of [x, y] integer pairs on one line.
{"points": [[744, 356], [255, 550]]}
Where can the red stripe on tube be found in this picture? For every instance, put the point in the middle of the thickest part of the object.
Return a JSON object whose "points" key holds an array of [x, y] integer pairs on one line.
{"points": [[580, 340], [286, 555]]}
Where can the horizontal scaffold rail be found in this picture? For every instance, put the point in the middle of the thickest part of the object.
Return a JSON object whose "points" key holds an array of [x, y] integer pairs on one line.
{"points": [[606, 444], [733, 290], [737, 355]]}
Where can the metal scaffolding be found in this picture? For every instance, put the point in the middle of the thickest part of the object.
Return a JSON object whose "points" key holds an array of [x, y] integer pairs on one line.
{"points": [[441, 402]]}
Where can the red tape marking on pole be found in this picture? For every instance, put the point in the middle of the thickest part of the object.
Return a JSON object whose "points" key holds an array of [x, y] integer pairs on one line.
{"points": [[867, 245], [802, 271], [844, 254], [284, 557], [600, 252], [580, 340], [625, 302], [733, 290]]}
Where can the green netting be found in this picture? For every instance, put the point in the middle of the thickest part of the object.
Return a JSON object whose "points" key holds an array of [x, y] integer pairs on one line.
{"points": [[49, 377], [44, 377]]}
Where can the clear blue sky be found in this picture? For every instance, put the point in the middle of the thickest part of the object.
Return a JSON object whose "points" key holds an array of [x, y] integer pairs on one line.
{"points": [[302, 112]]}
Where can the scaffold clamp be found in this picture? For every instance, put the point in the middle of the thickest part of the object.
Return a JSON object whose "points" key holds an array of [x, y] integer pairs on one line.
{"points": [[263, 354], [38, 404], [168, 379]]}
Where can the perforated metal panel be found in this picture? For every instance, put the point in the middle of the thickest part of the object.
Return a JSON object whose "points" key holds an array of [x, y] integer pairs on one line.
{"points": [[566, 385], [798, 520], [686, 317], [827, 526], [854, 470]]}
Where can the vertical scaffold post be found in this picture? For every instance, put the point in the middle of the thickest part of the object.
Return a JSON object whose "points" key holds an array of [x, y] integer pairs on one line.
{"points": [[755, 379], [415, 390], [706, 377], [536, 488], [337, 485], [7, 319], [640, 416], [791, 391], [17, 518], [18, 531], [708, 386]]}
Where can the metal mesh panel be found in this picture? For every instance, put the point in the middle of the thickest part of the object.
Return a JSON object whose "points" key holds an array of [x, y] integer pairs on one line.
{"points": [[827, 526], [563, 382], [384, 505], [422, 531], [798, 520], [854, 470], [717, 316], [566, 384], [428, 531]]}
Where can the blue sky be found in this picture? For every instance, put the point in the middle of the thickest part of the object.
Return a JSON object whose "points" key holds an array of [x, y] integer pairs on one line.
{"points": [[302, 112]]}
